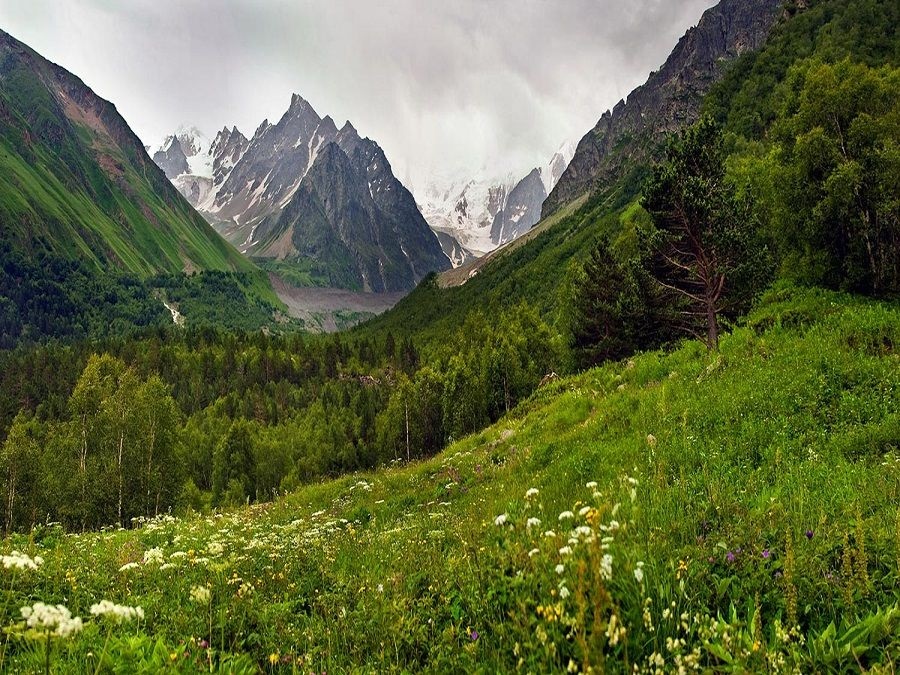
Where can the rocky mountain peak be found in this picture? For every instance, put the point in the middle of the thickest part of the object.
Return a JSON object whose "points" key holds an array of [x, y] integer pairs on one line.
{"points": [[171, 158]]}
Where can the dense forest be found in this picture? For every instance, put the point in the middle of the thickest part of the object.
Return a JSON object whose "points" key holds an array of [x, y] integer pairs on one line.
{"points": [[186, 418]]}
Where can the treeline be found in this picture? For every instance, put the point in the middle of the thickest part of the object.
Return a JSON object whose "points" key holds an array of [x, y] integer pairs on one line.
{"points": [[98, 434]]}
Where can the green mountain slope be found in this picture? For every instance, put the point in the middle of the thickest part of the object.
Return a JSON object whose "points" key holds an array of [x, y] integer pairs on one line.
{"points": [[534, 268], [685, 508], [77, 182]]}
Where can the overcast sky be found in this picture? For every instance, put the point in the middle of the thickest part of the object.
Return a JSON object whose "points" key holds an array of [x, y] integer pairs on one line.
{"points": [[485, 87]]}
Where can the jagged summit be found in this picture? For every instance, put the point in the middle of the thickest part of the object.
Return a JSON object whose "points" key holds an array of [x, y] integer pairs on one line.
{"points": [[474, 217], [303, 190]]}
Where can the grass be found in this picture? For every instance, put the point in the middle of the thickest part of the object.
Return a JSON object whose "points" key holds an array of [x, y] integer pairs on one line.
{"points": [[725, 512]]}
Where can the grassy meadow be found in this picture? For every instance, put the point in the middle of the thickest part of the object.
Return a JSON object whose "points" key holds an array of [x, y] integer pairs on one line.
{"points": [[679, 512]]}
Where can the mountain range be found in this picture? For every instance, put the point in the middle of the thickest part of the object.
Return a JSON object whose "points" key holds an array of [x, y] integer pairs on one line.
{"points": [[599, 188], [306, 197], [475, 216]]}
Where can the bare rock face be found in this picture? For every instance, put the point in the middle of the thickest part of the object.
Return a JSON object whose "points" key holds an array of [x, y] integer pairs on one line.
{"points": [[171, 159], [635, 130], [353, 221], [522, 209]]}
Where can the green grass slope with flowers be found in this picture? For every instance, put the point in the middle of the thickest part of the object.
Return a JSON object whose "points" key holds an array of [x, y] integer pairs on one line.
{"points": [[721, 512]]}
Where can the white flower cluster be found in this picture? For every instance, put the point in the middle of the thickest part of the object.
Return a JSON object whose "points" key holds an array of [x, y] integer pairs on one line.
{"points": [[154, 556], [118, 613], [606, 564], [21, 561], [200, 595], [531, 492], [501, 519], [56, 618]]}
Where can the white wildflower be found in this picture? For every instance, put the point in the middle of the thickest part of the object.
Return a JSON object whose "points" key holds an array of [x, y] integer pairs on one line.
{"points": [[118, 613], [200, 595], [533, 552], [565, 550], [501, 519], [154, 556], [591, 485], [533, 522], [606, 566], [639, 575], [550, 534], [566, 515], [21, 561], [55, 618], [563, 593], [560, 568], [582, 531], [129, 566], [584, 510], [531, 492]]}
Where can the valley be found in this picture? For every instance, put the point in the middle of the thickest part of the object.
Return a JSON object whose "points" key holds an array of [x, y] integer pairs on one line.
{"points": [[302, 400]]}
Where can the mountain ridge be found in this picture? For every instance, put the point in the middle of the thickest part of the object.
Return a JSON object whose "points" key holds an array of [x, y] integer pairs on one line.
{"points": [[77, 181], [634, 130]]}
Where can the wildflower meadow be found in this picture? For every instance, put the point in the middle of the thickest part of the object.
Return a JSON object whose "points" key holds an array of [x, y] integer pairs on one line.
{"points": [[681, 512]]}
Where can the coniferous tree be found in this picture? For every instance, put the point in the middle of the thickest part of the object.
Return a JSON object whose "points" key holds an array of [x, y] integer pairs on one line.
{"points": [[705, 250]]}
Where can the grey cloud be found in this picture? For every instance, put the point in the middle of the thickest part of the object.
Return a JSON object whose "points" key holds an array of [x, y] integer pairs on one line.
{"points": [[443, 85]]}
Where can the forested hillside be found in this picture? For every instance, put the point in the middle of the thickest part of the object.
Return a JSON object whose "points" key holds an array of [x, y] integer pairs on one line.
{"points": [[684, 509], [750, 103], [89, 224]]}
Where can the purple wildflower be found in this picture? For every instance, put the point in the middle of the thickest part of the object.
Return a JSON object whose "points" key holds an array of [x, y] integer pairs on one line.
{"points": [[473, 635], [809, 534], [729, 557], [766, 554]]}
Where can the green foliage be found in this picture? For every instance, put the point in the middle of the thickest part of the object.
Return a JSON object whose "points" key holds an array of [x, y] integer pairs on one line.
{"points": [[234, 477], [615, 310], [44, 297], [783, 555], [837, 176], [746, 99], [705, 252]]}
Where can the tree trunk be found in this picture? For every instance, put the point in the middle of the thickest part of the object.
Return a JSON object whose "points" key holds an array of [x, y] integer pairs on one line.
{"points": [[406, 408], [712, 326], [121, 478]]}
